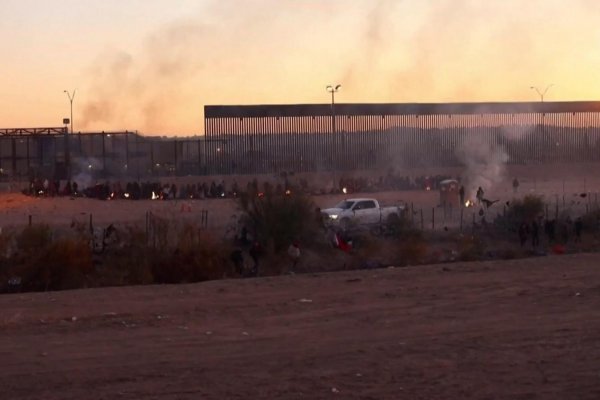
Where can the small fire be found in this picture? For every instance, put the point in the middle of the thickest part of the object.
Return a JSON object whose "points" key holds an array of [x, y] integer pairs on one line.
{"points": [[288, 192], [261, 194], [345, 190], [154, 196], [126, 195], [468, 203]]}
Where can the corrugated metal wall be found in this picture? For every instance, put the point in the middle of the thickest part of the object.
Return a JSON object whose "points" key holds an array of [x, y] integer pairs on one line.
{"points": [[264, 139], [300, 138]]}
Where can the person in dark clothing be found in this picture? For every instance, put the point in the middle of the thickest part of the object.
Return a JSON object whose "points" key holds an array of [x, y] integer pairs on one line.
{"points": [[479, 195], [535, 234], [237, 258], [578, 229], [244, 236], [549, 229], [256, 253], [523, 233], [515, 185], [461, 193]]}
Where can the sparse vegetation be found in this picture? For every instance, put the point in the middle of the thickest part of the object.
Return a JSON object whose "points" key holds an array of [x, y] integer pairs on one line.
{"points": [[278, 219], [518, 211]]}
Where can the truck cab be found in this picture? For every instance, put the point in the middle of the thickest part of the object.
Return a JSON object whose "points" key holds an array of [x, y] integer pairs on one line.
{"points": [[358, 211]]}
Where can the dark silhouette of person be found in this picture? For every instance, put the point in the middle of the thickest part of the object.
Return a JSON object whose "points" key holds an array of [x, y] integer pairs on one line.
{"points": [[550, 229], [461, 193], [237, 258], [244, 236], [515, 185], [535, 234], [578, 229], [523, 233], [256, 252], [479, 194]]}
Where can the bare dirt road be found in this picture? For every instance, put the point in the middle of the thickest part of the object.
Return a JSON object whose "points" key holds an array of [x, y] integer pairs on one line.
{"points": [[525, 329]]}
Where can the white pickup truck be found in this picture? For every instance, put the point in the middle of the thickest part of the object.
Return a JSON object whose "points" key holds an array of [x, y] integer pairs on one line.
{"points": [[362, 211]]}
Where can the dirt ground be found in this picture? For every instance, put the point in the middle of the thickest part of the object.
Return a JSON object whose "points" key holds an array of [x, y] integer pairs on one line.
{"points": [[521, 329], [525, 329]]}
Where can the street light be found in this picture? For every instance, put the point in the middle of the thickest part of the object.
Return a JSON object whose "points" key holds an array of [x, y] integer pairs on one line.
{"points": [[71, 98], [333, 89], [542, 94], [543, 114]]}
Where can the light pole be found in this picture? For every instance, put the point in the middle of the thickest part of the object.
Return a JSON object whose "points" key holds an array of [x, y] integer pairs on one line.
{"points": [[542, 154], [333, 89], [71, 98], [542, 94]]}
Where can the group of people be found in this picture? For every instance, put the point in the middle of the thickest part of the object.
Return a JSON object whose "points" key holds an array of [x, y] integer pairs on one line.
{"points": [[554, 230], [255, 250], [391, 182], [132, 190], [51, 187]]}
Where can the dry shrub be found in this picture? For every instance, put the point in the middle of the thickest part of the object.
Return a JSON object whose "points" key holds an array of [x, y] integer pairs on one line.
{"points": [[591, 221], [7, 241], [62, 264], [34, 238], [196, 257], [412, 249], [130, 264], [279, 218], [522, 210], [470, 248]]}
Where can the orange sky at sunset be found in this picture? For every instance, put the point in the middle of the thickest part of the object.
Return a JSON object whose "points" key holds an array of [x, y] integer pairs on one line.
{"points": [[151, 65]]}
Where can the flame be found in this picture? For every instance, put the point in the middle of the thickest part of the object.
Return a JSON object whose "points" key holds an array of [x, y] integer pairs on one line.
{"points": [[288, 192], [126, 195], [154, 196], [344, 190], [468, 203]]}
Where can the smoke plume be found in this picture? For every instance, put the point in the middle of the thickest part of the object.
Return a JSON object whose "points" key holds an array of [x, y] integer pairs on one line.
{"points": [[485, 164]]}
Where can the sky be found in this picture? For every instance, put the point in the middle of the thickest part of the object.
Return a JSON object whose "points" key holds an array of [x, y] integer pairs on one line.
{"points": [[152, 65]]}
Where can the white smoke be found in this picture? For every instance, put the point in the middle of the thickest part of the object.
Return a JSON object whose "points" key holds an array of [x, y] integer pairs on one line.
{"points": [[485, 164], [86, 168]]}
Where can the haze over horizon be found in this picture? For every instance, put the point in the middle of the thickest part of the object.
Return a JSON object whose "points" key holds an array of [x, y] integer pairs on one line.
{"points": [[151, 65]]}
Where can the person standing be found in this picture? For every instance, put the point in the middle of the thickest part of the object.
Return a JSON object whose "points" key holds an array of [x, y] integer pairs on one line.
{"points": [[479, 195], [461, 193], [237, 258], [515, 185], [294, 253], [523, 233], [535, 234], [578, 229], [256, 253]]}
